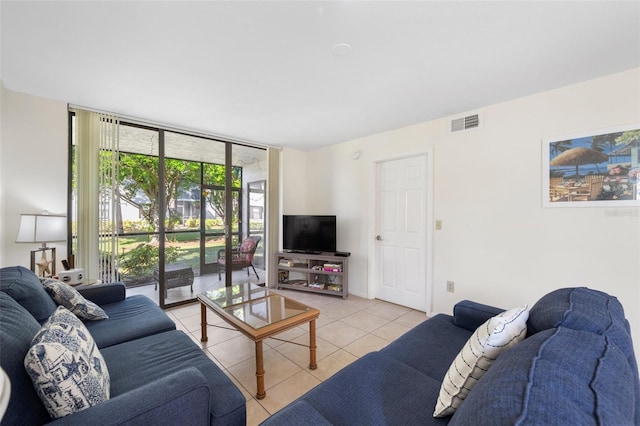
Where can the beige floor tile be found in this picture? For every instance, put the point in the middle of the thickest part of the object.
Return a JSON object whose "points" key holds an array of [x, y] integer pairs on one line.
{"points": [[185, 310], [324, 320], [332, 364], [366, 321], [388, 310], [233, 351], [256, 413], [216, 335], [300, 354], [191, 322], [180, 326], [391, 331], [288, 390], [337, 310], [366, 344], [290, 334], [412, 318], [277, 368], [340, 333], [360, 303]]}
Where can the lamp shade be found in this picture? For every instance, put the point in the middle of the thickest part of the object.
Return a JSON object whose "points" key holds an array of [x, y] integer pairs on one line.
{"points": [[41, 228]]}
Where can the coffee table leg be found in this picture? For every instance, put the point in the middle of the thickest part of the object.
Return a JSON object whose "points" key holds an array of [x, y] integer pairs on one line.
{"points": [[260, 371], [312, 345], [203, 322]]}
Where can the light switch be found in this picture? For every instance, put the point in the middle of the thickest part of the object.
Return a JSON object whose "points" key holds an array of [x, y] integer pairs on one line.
{"points": [[438, 225]]}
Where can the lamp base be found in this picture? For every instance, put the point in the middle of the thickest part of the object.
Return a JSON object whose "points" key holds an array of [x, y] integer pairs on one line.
{"points": [[46, 267]]}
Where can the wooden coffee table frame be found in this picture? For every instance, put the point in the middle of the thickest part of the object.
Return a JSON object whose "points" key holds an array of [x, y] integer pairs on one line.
{"points": [[259, 334]]}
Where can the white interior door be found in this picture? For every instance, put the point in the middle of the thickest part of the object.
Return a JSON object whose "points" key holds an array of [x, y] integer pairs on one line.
{"points": [[401, 222]]}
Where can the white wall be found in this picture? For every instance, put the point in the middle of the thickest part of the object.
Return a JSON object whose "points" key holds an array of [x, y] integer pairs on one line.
{"points": [[497, 244], [33, 168], [294, 182]]}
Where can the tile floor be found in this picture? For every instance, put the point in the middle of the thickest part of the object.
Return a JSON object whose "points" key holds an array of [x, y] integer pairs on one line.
{"points": [[346, 330]]}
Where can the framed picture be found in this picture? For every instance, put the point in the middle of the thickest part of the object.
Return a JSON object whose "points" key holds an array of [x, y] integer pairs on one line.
{"points": [[592, 169]]}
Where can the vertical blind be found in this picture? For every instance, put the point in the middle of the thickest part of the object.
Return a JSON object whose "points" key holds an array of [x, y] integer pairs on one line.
{"points": [[273, 215], [97, 151]]}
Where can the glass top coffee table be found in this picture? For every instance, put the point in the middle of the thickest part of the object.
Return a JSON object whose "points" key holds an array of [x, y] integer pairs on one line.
{"points": [[258, 313]]}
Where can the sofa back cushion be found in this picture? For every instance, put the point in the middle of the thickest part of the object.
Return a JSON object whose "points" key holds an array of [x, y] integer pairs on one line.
{"points": [[558, 376], [584, 309], [25, 288], [578, 308], [17, 329]]}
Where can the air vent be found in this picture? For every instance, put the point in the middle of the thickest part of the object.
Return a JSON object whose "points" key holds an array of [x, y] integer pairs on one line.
{"points": [[469, 122]]}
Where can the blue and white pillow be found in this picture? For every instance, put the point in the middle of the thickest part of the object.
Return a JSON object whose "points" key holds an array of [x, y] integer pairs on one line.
{"points": [[66, 367], [69, 297]]}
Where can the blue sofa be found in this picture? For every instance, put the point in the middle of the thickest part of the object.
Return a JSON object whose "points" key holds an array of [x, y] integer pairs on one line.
{"points": [[158, 374], [576, 367]]}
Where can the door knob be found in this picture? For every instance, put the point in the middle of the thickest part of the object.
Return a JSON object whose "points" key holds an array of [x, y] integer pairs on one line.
{"points": [[378, 237]]}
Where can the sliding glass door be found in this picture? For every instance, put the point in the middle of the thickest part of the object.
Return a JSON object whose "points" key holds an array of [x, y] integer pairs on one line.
{"points": [[180, 204]]}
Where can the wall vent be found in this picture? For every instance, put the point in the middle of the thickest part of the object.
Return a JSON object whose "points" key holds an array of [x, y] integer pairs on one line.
{"points": [[467, 122]]}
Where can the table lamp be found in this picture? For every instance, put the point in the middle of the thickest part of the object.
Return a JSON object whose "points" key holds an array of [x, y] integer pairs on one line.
{"points": [[42, 228]]}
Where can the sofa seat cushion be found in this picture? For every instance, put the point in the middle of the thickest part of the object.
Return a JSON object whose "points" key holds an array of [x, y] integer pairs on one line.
{"points": [[17, 329], [430, 347], [65, 366], [374, 390], [24, 286], [558, 376], [134, 317], [67, 296], [141, 361], [298, 413]]}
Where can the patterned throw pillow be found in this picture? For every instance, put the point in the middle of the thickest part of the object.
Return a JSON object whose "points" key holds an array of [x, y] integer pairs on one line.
{"points": [[69, 297], [66, 367], [483, 347]]}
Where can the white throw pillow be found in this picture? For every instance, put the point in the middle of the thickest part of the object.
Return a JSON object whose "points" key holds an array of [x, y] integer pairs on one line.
{"points": [[483, 347], [67, 296], [66, 367]]}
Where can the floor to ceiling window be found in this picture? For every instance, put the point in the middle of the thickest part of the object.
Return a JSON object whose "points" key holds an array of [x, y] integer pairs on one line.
{"points": [[169, 205]]}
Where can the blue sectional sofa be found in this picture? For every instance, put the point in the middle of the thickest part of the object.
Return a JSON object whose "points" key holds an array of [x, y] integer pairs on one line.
{"points": [[158, 374], [575, 367]]}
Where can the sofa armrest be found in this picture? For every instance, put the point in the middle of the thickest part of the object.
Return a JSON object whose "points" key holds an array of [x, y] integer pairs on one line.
{"points": [[103, 294], [471, 315], [179, 398]]}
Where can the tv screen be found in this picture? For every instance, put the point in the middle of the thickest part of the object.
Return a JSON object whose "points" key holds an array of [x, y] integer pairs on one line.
{"points": [[309, 234]]}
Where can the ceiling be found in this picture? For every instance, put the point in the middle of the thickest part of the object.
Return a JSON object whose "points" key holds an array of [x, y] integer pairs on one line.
{"points": [[266, 72]]}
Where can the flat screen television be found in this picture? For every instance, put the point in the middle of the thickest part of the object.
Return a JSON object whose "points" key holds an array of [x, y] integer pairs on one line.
{"points": [[309, 234]]}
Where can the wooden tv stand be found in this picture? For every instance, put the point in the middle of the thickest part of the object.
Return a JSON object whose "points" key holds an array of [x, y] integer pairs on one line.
{"points": [[313, 273]]}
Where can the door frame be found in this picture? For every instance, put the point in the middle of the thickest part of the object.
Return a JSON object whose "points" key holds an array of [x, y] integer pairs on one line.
{"points": [[374, 219]]}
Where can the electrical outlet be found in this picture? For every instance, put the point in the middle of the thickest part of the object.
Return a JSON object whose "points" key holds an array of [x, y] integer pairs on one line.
{"points": [[450, 285]]}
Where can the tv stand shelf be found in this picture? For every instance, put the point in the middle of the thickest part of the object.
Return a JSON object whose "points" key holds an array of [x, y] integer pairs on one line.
{"points": [[322, 273]]}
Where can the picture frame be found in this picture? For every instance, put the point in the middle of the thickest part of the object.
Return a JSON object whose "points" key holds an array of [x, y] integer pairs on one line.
{"points": [[592, 169]]}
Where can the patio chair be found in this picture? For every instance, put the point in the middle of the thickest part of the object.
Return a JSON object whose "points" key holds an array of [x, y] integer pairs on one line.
{"points": [[240, 258], [591, 190]]}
